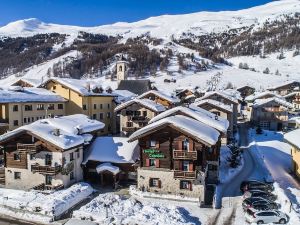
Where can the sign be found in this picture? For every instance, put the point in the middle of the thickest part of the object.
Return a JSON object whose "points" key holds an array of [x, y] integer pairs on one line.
{"points": [[154, 153]]}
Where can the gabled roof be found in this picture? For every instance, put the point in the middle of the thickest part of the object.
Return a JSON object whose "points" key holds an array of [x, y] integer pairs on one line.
{"points": [[146, 103], [245, 86], [136, 86], [259, 95], [71, 129], [32, 82], [280, 101], [186, 125], [221, 94], [161, 95], [199, 114], [293, 138], [292, 82], [198, 102], [290, 94], [82, 87]]}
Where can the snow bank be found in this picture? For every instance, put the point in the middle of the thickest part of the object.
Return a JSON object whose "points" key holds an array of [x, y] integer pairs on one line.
{"points": [[36, 206], [118, 210]]}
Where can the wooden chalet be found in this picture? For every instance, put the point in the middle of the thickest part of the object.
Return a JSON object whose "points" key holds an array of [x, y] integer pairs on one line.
{"points": [[286, 88], [246, 91], [161, 98]]}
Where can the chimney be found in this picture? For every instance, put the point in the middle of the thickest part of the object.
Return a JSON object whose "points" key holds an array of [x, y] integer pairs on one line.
{"points": [[56, 132]]}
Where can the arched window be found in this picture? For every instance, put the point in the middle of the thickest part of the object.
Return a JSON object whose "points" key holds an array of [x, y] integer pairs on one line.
{"points": [[120, 68]]}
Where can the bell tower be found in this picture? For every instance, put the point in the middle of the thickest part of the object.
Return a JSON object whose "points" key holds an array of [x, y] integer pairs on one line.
{"points": [[121, 70]]}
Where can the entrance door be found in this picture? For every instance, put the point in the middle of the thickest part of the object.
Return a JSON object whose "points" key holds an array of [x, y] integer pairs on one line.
{"points": [[107, 179]]}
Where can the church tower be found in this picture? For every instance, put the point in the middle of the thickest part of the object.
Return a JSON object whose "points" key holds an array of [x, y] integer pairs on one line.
{"points": [[121, 70]]}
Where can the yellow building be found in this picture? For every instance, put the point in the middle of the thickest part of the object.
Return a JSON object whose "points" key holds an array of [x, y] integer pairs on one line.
{"points": [[293, 139], [88, 98], [21, 106]]}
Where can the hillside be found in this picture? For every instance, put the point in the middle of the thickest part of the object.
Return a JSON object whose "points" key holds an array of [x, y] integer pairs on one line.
{"points": [[190, 48]]}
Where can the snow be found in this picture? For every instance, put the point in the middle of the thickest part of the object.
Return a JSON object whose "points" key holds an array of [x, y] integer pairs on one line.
{"points": [[261, 95], [69, 126], [280, 101], [198, 102], [33, 82], [162, 95], [38, 207], [199, 131], [147, 103], [124, 95], [108, 208], [113, 149], [203, 117], [221, 94], [28, 94], [107, 167], [293, 137]]}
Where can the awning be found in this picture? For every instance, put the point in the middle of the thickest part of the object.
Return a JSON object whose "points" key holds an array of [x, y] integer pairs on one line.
{"points": [[107, 167]]}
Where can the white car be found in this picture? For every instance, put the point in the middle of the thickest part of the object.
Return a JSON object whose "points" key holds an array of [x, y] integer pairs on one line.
{"points": [[262, 217]]}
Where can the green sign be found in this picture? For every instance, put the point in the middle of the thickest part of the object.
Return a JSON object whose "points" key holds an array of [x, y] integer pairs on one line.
{"points": [[154, 153]]}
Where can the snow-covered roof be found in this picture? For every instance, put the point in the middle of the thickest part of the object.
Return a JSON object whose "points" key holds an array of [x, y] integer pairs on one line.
{"points": [[83, 87], [70, 129], [259, 95], [280, 101], [284, 84], [290, 94], [199, 131], [233, 94], [107, 167], [221, 94], [293, 137], [147, 103], [28, 94], [31, 81], [162, 95], [198, 102], [244, 86], [113, 149], [199, 114], [124, 95]]}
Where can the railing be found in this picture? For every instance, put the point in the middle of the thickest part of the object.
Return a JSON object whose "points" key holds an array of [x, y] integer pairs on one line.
{"points": [[129, 129], [179, 154], [46, 169], [30, 148], [185, 174], [138, 118], [4, 121], [43, 187]]}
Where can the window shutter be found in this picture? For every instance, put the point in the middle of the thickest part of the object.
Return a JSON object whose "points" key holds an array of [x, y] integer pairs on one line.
{"points": [[190, 186], [191, 166], [157, 163], [180, 165], [147, 162], [159, 183], [191, 145]]}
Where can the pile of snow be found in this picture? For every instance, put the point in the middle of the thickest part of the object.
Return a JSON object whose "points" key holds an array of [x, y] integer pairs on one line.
{"points": [[42, 207], [117, 210]]}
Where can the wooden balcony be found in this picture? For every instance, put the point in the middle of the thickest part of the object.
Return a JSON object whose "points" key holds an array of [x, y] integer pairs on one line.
{"points": [[180, 154], [45, 187], [185, 175], [28, 148], [129, 129], [49, 170], [139, 118]]}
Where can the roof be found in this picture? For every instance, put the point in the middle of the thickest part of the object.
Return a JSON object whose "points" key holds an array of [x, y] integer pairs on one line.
{"points": [[28, 94], [280, 101], [147, 103], [293, 138], [198, 102], [190, 127], [285, 84], [107, 167], [70, 130], [124, 95], [32, 82], [259, 95], [245, 86], [221, 94], [113, 149], [83, 87], [162, 95], [136, 86], [290, 94], [199, 114]]}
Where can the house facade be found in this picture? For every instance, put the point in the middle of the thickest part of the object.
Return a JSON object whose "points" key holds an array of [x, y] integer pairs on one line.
{"points": [[293, 139], [47, 154], [86, 98], [178, 156]]}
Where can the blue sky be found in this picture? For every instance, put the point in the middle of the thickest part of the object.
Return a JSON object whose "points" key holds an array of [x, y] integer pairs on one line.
{"points": [[98, 12]]}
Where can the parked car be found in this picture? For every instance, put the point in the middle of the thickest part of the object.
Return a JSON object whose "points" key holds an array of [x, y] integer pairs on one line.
{"points": [[258, 203], [254, 184], [269, 216], [259, 193]]}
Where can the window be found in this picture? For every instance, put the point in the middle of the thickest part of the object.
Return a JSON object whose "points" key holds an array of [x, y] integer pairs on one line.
{"points": [[101, 116], [155, 182], [108, 115], [185, 165], [184, 184], [144, 113], [71, 156], [129, 124], [51, 107], [28, 119], [108, 106], [78, 154], [216, 113], [63, 160], [185, 144], [54, 87], [94, 116], [60, 106], [40, 106], [28, 107], [48, 160], [17, 175], [72, 175], [48, 180], [84, 107], [32, 157], [16, 122], [101, 106], [95, 106], [120, 68], [152, 143], [25, 120], [15, 108], [152, 162], [17, 156]]}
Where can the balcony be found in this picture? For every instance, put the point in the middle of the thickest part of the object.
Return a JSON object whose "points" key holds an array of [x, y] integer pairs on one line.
{"points": [[28, 148], [179, 154], [4, 122], [45, 187], [139, 118], [49, 170], [185, 175], [129, 129]]}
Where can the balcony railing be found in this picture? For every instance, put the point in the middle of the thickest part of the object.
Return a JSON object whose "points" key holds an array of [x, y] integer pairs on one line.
{"points": [[45, 187], [138, 118], [129, 129], [185, 174], [179, 154], [49, 170], [29, 148]]}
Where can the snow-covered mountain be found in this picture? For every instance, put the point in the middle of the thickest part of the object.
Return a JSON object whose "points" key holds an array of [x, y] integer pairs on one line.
{"points": [[190, 48]]}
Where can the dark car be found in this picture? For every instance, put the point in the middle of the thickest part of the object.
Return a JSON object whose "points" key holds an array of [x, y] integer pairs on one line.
{"points": [[259, 193], [250, 202], [254, 184]]}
